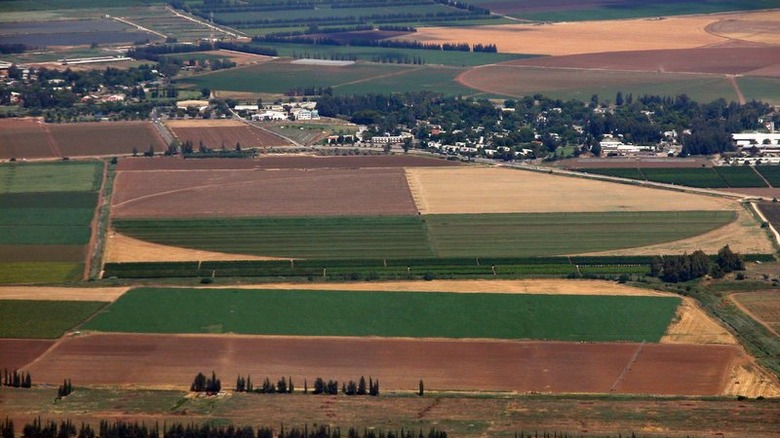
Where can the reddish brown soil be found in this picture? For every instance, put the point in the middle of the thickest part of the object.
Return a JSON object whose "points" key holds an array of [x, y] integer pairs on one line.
{"points": [[105, 138], [172, 360], [23, 138], [29, 138], [16, 353], [248, 193], [215, 137], [703, 60], [595, 163], [43, 253], [283, 162]]}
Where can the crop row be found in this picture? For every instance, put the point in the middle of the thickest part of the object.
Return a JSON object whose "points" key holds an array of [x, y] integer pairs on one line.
{"points": [[710, 177]]}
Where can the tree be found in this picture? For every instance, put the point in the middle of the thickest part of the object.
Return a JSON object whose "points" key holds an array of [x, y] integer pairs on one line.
{"points": [[361, 388], [729, 261], [421, 390], [619, 98]]}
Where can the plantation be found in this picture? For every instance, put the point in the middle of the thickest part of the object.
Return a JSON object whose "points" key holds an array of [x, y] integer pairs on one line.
{"points": [[389, 314], [42, 319], [709, 177], [385, 237]]}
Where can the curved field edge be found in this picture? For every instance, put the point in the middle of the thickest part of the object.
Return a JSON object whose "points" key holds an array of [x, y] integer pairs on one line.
{"points": [[478, 235], [389, 314]]}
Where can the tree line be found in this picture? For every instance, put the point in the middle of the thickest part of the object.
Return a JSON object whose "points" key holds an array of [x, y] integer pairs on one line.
{"points": [[120, 429], [370, 42], [16, 379], [686, 267], [286, 386]]}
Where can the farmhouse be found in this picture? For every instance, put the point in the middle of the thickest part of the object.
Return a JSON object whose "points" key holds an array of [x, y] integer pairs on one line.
{"points": [[269, 115], [304, 114], [761, 140]]}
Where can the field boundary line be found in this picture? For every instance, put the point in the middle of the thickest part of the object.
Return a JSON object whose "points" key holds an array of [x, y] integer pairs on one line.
{"points": [[733, 298], [50, 140], [627, 368], [382, 76], [138, 26], [775, 234], [762, 177]]}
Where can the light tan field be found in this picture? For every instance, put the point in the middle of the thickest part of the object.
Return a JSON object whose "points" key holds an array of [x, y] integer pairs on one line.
{"points": [[581, 37], [692, 326], [760, 27], [61, 293], [121, 248], [604, 36], [750, 380], [743, 235], [500, 190]]}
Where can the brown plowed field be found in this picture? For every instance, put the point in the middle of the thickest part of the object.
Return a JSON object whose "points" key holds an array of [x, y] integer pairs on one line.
{"points": [[763, 306], [42, 253], [700, 60], [248, 193], [283, 162], [29, 138], [215, 134], [170, 360], [105, 138], [23, 138], [16, 353]]}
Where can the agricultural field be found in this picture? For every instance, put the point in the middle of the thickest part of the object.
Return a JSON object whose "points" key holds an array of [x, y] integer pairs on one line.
{"points": [[717, 60], [471, 235], [393, 314], [165, 21], [16, 353], [763, 306], [71, 33], [307, 133], [30, 138], [581, 84], [540, 10], [279, 77], [300, 210], [216, 134], [702, 177], [46, 211], [43, 319], [430, 57]]}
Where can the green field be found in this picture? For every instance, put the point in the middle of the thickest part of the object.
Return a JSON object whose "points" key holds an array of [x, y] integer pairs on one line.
{"points": [[541, 234], [42, 319], [760, 88], [40, 272], [46, 211], [771, 173], [50, 177], [389, 314], [622, 9], [740, 176], [280, 77], [704, 177], [482, 235]]}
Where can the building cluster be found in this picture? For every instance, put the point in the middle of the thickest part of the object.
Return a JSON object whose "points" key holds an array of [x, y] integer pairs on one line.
{"points": [[278, 111]]}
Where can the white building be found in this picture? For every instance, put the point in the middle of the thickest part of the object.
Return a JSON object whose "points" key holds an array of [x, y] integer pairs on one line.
{"points": [[757, 139], [269, 115]]}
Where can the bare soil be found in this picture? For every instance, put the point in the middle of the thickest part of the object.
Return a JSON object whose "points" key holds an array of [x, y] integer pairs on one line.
{"points": [[105, 138], [121, 248], [496, 190], [216, 134], [743, 235], [250, 193], [732, 61], [23, 138], [283, 162], [692, 325], [16, 353], [172, 360], [763, 27], [44, 293], [763, 306], [582, 37]]}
